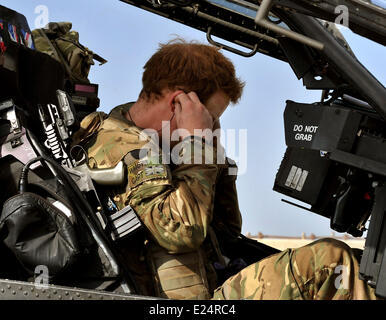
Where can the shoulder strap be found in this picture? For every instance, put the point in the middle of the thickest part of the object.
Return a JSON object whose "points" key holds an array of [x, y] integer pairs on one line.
{"points": [[95, 56], [62, 59]]}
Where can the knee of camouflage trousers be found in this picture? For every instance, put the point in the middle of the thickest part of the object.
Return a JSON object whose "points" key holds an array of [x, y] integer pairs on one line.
{"points": [[324, 269]]}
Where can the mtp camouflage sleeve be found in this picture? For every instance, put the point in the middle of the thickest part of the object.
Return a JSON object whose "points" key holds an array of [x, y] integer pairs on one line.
{"points": [[175, 205]]}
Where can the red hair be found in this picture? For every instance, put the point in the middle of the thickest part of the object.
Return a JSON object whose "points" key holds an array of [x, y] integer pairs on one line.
{"points": [[192, 67]]}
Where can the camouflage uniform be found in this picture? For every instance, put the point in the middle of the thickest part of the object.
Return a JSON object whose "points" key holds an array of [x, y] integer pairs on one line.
{"points": [[175, 202], [326, 269], [179, 204]]}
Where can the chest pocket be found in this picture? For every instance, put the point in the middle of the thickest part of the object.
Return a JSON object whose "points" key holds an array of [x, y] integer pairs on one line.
{"points": [[178, 276]]}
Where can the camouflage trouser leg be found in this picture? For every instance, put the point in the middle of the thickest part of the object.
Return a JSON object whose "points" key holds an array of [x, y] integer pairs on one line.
{"points": [[324, 269]]}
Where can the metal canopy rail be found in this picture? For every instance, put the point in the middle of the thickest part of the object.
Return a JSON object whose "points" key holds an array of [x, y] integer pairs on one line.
{"points": [[261, 20], [227, 20], [291, 31], [366, 18]]}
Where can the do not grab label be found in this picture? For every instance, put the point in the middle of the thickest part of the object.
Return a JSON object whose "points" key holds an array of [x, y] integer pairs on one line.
{"points": [[304, 132]]}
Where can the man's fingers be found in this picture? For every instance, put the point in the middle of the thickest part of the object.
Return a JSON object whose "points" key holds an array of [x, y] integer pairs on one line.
{"points": [[177, 108], [182, 98], [194, 97]]}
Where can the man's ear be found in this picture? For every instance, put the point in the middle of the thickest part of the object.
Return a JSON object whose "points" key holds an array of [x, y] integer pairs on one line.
{"points": [[172, 97]]}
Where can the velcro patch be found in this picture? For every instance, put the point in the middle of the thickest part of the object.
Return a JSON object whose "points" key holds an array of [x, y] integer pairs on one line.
{"points": [[139, 172]]}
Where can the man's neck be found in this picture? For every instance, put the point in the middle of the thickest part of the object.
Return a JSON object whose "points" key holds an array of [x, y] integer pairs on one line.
{"points": [[139, 114], [149, 114]]}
